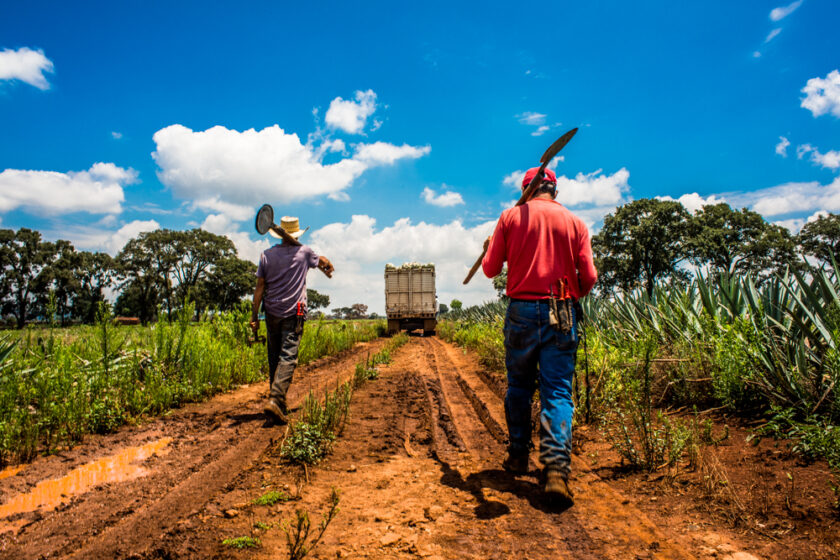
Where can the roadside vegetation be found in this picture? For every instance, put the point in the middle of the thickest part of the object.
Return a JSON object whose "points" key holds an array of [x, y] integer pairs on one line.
{"points": [[56, 385], [311, 436]]}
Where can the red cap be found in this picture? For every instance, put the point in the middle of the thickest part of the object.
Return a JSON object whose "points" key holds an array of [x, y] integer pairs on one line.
{"points": [[531, 173]]}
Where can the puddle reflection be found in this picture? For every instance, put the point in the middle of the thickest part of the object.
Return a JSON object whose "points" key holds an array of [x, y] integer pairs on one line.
{"points": [[48, 494]]}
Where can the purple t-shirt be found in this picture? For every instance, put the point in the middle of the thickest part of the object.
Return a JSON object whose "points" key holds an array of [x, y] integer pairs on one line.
{"points": [[284, 268]]}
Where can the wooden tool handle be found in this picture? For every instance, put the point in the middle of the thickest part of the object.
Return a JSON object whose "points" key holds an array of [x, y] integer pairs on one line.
{"points": [[286, 237], [475, 266]]}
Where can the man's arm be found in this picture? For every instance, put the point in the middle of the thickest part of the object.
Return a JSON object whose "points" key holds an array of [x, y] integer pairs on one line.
{"points": [[495, 257], [255, 306], [587, 275], [325, 266]]}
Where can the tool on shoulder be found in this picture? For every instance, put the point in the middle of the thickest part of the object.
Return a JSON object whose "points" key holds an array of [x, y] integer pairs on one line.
{"points": [[301, 312], [546, 158], [265, 222]]}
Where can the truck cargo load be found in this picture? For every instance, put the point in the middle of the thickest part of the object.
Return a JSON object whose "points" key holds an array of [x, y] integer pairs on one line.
{"points": [[410, 298]]}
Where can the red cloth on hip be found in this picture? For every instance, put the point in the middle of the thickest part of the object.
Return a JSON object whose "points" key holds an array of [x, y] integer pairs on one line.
{"points": [[542, 242]]}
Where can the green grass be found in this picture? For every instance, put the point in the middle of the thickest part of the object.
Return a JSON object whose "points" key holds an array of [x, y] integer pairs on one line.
{"points": [[270, 498], [311, 437], [241, 542], [56, 385]]}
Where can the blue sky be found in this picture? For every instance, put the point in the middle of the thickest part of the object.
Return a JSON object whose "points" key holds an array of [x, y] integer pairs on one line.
{"points": [[356, 111]]}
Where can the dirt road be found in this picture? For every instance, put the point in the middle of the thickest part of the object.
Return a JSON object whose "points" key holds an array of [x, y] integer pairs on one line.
{"points": [[418, 467]]}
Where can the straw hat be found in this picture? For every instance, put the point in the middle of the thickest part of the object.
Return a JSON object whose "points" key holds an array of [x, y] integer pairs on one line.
{"points": [[291, 225]]}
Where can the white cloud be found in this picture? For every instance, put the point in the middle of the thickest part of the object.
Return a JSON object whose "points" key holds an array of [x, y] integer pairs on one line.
{"points": [[116, 135], [828, 160], [340, 196], [514, 179], [756, 54], [822, 95], [782, 146], [531, 118], [98, 190], [693, 201], [772, 34], [791, 198], [541, 130], [25, 65], [235, 212], [351, 116], [270, 164], [95, 238], [780, 13], [247, 248], [795, 224], [360, 251], [382, 153], [593, 188], [444, 199]]}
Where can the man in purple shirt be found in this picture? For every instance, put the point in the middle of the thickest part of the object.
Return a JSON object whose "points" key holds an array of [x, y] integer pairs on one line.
{"points": [[281, 288]]}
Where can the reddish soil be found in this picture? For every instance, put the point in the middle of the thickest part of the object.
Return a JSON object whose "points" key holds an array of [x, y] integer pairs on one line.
{"points": [[418, 471]]}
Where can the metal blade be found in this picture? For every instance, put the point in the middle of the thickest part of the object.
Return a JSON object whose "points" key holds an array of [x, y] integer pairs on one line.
{"points": [[265, 219], [558, 145]]}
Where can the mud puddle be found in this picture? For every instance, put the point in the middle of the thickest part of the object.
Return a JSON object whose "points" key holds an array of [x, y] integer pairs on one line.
{"points": [[49, 494]]}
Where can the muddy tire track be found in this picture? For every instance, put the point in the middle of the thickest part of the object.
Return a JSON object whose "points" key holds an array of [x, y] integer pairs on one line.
{"points": [[599, 510], [213, 443]]}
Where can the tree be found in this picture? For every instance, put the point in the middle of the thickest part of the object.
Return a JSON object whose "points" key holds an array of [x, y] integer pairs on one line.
{"points": [[455, 304], [317, 300], [94, 273], [26, 255], [821, 238], [57, 278], [738, 241], [641, 243], [443, 308], [231, 280], [197, 252], [137, 269], [500, 282], [358, 311]]}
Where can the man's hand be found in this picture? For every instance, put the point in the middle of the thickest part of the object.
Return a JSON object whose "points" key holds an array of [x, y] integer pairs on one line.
{"points": [[255, 326], [325, 266], [486, 243]]}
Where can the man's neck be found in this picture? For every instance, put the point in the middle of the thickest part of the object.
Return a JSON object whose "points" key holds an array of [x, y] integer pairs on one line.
{"points": [[543, 196]]}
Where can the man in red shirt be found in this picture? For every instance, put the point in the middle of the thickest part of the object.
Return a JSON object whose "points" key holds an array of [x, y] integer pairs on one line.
{"points": [[545, 246]]}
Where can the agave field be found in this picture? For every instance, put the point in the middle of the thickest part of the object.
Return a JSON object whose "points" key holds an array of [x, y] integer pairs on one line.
{"points": [[765, 351], [56, 385]]}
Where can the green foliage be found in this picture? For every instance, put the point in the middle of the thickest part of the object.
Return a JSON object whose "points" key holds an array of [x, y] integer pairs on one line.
{"points": [[821, 238], [456, 304], [641, 243], [812, 437], [240, 543], [270, 498], [738, 241], [366, 371], [58, 385], [312, 436], [300, 536], [316, 300]]}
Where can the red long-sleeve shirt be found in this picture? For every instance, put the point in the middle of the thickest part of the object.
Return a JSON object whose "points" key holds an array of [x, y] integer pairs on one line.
{"points": [[542, 242]]}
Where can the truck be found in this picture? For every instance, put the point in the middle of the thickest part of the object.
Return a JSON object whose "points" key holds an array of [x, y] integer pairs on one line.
{"points": [[410, 298]]}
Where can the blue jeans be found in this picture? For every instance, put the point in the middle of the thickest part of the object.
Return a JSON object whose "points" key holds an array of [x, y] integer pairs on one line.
{"points": [[537, 356]]}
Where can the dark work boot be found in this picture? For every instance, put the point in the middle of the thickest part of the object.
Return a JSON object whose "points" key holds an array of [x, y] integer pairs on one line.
{"points": [[516, 463], [275, 411], [557, 487]]}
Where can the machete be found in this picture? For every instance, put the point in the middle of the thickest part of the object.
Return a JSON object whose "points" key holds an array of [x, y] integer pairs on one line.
{"points": [[546, 158]]}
